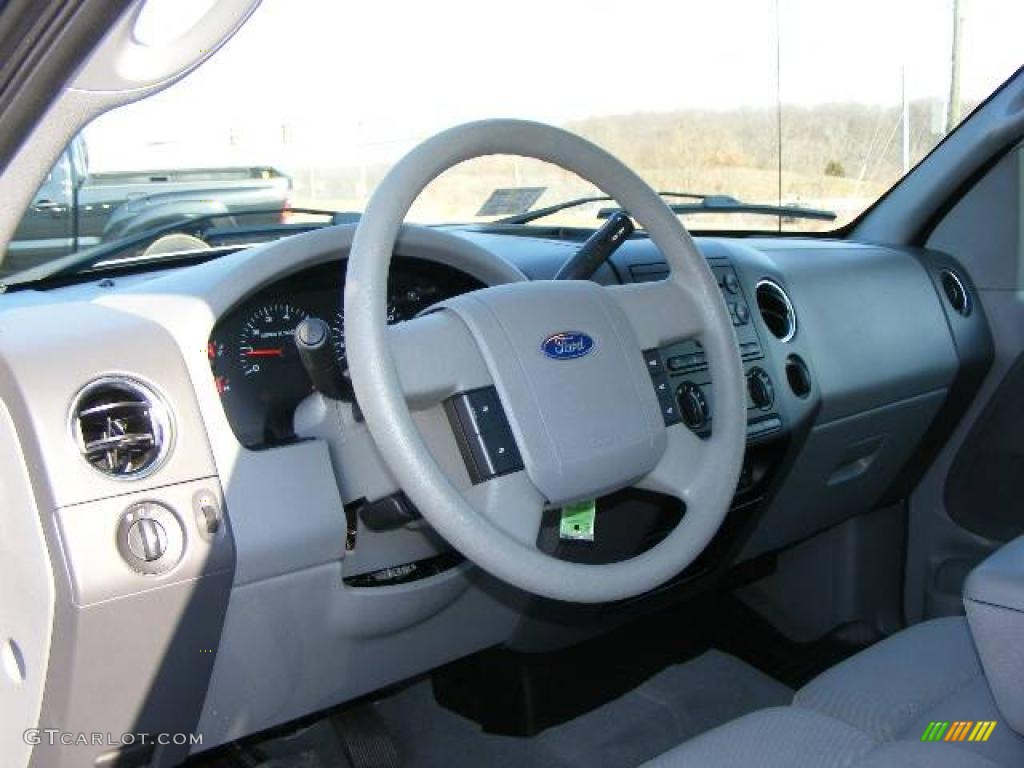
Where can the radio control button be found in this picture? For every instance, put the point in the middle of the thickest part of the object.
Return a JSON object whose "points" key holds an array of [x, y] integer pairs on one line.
{"points": [[760, 389], [693, 406]]}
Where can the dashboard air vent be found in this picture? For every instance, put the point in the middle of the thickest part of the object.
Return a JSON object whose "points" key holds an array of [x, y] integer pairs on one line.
{"points": [[956, 293], [121, 426], [776, 310]]}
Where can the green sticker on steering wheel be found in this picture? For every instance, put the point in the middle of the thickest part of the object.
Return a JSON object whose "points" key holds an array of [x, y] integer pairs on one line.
{"points": [[578, 521]]}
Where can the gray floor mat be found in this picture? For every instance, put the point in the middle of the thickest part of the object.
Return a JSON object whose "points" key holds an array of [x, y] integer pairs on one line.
{"points": [[671, 707]]}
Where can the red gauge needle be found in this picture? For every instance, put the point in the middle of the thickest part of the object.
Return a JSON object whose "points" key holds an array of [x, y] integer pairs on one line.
{"points": [[278, 352]]}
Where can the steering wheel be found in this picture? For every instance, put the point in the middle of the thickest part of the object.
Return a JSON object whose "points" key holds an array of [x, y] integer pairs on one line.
{"points": [[585, 417]]}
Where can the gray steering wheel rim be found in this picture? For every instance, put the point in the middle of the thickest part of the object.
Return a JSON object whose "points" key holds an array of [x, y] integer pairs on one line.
{"points": [[379, 392]]}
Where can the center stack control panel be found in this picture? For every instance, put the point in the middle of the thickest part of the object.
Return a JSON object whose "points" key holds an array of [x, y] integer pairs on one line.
{"points": [[683, 367]]}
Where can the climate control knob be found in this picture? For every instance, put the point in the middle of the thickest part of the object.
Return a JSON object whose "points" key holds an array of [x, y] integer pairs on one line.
{"points": [[693, 406], [759, 386]]}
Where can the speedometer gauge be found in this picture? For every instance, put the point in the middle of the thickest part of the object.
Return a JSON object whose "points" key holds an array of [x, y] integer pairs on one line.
{"points": [[338, 330], [338, 337]]}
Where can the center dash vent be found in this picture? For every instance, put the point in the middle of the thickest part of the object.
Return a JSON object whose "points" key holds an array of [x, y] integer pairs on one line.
{"points": [[776, 310], [122, 427]]}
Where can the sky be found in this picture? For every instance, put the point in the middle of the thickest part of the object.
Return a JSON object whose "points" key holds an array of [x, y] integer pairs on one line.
{"points": [[338, 82]]}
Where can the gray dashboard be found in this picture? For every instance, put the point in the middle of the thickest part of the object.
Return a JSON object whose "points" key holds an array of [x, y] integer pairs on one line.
{"points": [[297, 603]]}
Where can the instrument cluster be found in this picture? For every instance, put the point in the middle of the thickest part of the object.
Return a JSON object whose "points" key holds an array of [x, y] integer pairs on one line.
{"points": [[255, 365]]}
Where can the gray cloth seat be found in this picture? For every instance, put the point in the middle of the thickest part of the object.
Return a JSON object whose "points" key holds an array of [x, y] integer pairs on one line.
{"points": [[780, 737], [870, 712], [791, 737], [884, 690], [893, 690]]}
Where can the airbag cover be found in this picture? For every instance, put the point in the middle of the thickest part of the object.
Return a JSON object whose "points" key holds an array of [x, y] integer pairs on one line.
{"points": [[584, 413]]}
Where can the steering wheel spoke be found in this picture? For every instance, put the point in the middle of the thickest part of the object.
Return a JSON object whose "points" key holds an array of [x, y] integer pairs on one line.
{"points": [[661, 312], [436, 357], [512, 504], [681, 467]]}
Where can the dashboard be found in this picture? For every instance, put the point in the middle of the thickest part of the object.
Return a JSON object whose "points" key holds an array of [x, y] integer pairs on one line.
{"points": [[858, 358], [252, 351]]}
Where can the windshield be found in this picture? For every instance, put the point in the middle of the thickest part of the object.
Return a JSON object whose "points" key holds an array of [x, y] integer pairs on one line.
{"points": [[817, 104]]}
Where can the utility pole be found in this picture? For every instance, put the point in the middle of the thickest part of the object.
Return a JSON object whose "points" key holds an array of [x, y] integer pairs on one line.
{"points": [[905, 120], [778, 98], [953, 105]]}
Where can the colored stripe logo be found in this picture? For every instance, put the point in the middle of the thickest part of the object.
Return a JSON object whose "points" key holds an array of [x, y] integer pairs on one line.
{"points": [[959, 730]]}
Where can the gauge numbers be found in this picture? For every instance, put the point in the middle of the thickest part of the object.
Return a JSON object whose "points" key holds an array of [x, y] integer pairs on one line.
{"points": [[267, 340]]}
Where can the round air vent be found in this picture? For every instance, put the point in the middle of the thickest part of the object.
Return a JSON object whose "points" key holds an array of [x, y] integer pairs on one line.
{"points": [[122, 427], [798, 376], [957, 295], [776, 310]]}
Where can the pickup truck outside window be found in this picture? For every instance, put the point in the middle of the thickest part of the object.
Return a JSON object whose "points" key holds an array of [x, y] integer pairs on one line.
{"points": [[75, 208]]}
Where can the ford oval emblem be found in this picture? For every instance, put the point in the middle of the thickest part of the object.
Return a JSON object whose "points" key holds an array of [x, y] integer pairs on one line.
{"points": [[567, 345]]}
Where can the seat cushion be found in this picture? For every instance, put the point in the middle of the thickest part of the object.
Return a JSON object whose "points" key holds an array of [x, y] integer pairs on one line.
{"points": [[884, 690], [871, 711], [974, 702], [787, 737], [914, 754], [893, 690], [781, 737]]}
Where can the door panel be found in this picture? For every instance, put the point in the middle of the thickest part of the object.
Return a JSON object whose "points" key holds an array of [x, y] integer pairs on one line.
{"points": [[968, 501], [985, 489]]}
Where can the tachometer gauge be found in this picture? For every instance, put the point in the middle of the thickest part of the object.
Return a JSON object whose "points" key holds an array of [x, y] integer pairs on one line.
{"points": [[267, 340], [262, 388]]}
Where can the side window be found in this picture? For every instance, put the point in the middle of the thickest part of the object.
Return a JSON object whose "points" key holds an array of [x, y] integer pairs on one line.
{"points": [[57, 187], [46, 229]]}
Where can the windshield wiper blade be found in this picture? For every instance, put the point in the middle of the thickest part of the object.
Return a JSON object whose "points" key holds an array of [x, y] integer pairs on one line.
{"points": [[539, 213], [728, 204]]}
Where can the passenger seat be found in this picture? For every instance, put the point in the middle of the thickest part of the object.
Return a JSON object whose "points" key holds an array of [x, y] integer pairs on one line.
{"points": [[792, 737], [872, 710], [893, 690]]}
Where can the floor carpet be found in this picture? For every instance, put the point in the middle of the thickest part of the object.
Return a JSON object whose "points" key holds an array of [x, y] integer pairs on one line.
{"points": [[678, 703]]}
